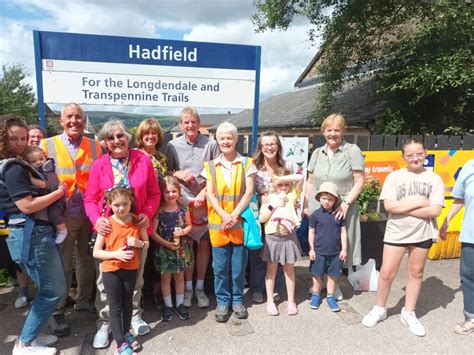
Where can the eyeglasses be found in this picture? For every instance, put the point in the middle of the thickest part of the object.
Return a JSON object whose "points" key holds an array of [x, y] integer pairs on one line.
{"points": [[269, 145], [117, 136], [413, 156]]}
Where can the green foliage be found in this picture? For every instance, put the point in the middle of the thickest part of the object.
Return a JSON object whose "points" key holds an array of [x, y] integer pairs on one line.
{"points": [[420, 53], [5, 279], [16, 96], [370, 193]]}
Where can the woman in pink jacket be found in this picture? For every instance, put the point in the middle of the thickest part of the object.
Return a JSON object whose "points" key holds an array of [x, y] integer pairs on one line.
{"points": [[120, 166]]}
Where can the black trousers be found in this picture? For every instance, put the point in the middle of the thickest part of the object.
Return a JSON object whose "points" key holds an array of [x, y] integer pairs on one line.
{"points": [[119, 286]]}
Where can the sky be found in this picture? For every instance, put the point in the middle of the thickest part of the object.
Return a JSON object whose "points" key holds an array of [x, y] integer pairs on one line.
{"points": [[284, 54]]}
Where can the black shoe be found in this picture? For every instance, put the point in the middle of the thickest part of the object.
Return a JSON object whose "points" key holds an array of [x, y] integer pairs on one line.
{"points": [[182, 312], [240, 311], [167, 314], [222, 314], [58, 326]]}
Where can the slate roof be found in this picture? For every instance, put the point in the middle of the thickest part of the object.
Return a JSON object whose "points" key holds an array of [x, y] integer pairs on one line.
{"points": [[296, 109]]}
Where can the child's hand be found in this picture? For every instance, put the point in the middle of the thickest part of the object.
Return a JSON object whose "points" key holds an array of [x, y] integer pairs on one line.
{"points": [[265, 199], [172, 245], [343, 255], [133, 242], [312, 255], [123, 254]]}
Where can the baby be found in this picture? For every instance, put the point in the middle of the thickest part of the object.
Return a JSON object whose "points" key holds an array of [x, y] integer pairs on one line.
{"points": [[36, 157]]}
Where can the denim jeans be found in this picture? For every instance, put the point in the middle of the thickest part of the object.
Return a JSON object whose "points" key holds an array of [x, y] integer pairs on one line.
{"points": [[467, 279], [229, 263], [45, 268]]}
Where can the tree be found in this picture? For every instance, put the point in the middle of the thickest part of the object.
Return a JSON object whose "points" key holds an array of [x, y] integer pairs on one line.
{"points": [[16, 96], [420, 53]]}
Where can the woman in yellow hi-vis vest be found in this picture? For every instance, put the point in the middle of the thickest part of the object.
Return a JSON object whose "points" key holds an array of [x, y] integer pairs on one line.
{"points": [[230, 185]]}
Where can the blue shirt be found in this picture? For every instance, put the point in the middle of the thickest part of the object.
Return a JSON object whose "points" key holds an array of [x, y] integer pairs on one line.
{"points": [[464, 189], [328, 232]]}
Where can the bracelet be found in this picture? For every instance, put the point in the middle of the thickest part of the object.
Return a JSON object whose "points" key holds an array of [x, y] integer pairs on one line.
{"points": [[270, 208], [143, 244]]}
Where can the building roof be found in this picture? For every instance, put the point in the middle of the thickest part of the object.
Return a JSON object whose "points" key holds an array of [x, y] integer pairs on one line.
{"points": [[297, 109]]}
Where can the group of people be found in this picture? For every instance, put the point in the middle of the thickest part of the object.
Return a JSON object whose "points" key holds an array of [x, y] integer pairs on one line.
{"points": [[166, 212]]}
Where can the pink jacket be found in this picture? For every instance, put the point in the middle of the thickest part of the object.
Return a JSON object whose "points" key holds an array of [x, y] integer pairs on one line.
{"points": [[142, 178]]}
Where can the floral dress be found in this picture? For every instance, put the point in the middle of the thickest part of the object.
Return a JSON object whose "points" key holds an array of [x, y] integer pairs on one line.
{"points": [[167, 260], [158, 160]]}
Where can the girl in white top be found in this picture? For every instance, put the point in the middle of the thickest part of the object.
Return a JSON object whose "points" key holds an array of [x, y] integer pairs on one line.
{"points": [[413, 197]]}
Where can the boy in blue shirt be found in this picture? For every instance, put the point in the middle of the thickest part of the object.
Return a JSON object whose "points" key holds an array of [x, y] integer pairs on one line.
{"points": [[328, 245]]}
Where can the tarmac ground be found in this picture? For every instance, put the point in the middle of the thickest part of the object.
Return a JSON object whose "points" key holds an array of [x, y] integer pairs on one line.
{"points": [[322, 331]]}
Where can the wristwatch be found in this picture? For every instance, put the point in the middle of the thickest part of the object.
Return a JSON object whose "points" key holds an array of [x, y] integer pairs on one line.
{"points": [[271, 208]]}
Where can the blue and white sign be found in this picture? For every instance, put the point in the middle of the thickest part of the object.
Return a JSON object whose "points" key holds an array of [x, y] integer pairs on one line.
{"points": [[108, 70]]}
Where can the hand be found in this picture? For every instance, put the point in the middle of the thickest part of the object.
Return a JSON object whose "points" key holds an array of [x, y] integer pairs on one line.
{"points": [[280, 203], [443, 230], [172, 245], [102, 225], [123, 254], [143, 221], [312, 255], [228, 221], [265, 198], [341, 211], [185, 176], [133, 242], [200, 200], [64, 187], [306, 211], [343, 255]]}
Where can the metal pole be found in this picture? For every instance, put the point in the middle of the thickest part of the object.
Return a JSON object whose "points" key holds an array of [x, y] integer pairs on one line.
{"points": [[39, 79], [258, 52]]}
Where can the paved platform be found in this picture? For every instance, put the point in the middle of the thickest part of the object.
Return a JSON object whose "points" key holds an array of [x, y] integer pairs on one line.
{"points": [[321, 331]]}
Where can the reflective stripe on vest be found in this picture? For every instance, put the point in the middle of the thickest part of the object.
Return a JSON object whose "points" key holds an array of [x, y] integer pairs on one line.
{"points": [[73, 172], [228, 198]]}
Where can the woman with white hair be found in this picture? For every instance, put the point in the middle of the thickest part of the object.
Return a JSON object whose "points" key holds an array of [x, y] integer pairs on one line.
{"points": [[230, 185], [128, 167]]}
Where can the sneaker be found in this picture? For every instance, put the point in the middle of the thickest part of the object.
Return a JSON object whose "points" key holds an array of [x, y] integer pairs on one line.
{"points": [[124, 349], [140, 327], [377, 314], [188, 296], [257, 297], [44, 340], [332, 303], [101, 338], [202, 300], [58, 326], [338, 294], [413, 324], [276, 297], [25, 350], [292, 309], [315, 301], [21, 302], [222, 314], [167, 314], [86, 306], [240, 311], [133, 343], [182, 312], [272, 309]]}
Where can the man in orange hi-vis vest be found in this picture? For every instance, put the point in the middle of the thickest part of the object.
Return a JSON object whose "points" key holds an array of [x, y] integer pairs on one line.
{"points": [[74, 154]]}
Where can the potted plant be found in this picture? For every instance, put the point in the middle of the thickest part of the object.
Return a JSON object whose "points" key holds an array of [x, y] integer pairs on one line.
{"points": [[368, 200]]}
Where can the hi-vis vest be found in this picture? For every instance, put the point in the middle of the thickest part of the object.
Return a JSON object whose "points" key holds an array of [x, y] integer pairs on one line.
{"points": [[72, 172], [228, 198]]}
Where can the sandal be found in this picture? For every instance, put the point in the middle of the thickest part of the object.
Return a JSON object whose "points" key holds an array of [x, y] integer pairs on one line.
{"points": [[464, 328], [133, 343]]}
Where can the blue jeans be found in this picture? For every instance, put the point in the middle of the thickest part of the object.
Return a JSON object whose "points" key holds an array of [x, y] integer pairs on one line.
{"points": [[45, 267], [229, 263], [258, 270], [467, 279]]}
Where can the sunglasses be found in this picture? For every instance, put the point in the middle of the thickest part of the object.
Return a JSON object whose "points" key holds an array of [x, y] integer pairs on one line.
{"points": [[111, 138]]}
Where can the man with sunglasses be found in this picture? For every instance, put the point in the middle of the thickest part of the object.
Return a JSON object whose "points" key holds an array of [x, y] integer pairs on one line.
{"points": [[74, 154]]}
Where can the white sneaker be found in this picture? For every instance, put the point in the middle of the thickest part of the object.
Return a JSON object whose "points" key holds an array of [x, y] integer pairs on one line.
{"points": [[21, 302], [410, 320], [25, 350], [377, 314], [45, 340], [140, 327], [101, 338], [338, 294], [202, 300], [188, 296]]}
